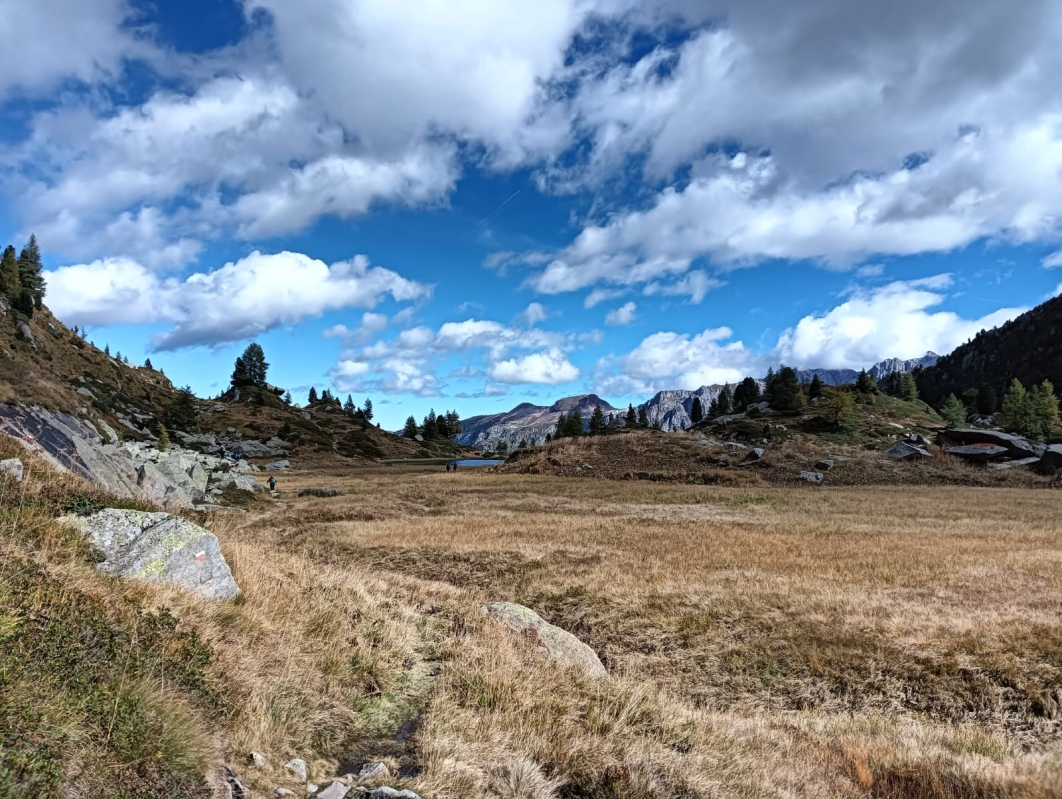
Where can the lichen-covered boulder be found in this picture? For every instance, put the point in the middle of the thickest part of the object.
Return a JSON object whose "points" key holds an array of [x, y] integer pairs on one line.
{"points": [[158, 548], [560, 645]]}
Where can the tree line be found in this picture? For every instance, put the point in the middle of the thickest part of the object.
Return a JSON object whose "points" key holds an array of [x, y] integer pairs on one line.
{"points": [[22, 278], [434, 427]]}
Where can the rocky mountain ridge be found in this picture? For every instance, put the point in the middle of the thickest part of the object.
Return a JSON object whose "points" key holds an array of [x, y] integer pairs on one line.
{"points": [[526, 422]]}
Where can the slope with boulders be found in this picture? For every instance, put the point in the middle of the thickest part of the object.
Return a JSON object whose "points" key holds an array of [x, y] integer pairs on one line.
{"points": [[766, 447]]}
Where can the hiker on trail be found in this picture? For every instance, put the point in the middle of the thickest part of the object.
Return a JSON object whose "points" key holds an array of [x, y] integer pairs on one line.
{"points": [[447, 467], [272, 483]]}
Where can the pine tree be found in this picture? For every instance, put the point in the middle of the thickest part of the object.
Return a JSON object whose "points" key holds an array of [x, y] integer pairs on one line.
{"points": [[240, 375], [786, 395], [164, 439], [549, 437], [713, 408], [597, 421], [30, 271], [255, 363], [312, 397], [430, 428], [746, 393], [118, 356], [815, 389], [107, 349], [953, 412], [631, 418], [410, 430], [987, 399], [908, 388], [10, 283], [453, 424], [865, 383], [726, 401], [696, 412], [768, 386], [349, 407], [287, 398], [522, 444], [643, 417], [83, 334], [367, 410]]}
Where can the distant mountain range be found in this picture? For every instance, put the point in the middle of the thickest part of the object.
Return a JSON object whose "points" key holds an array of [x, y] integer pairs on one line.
{"points": [[670, 408]]}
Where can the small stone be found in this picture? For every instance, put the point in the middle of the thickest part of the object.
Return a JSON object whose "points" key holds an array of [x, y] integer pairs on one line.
{"points": [[336, 790], [297, 766], [259, 760], [13, 467], [374, 772], [811, 477], [824, 465], [279, 793], [311, 789], [391, 793], [234, 789], [755, 456]]}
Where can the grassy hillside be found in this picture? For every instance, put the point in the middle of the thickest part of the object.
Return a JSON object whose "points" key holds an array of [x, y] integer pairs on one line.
{"points": [[56, 365]]}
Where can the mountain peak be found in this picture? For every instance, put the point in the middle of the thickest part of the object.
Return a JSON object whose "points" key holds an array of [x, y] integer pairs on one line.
{"points": [[582, 402]]}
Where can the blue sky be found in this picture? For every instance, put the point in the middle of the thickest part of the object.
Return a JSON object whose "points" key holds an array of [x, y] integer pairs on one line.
{"points": [[474, 204]]}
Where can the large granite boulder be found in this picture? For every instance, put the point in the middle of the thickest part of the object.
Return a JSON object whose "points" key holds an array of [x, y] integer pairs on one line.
{"points": [[978, 453], [560, 645], [904, 451], [1051, 461], [1016, 446], [158, 548]]}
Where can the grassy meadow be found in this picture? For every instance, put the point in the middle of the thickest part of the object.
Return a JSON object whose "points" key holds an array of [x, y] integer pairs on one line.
{"points": [[761, 641]]}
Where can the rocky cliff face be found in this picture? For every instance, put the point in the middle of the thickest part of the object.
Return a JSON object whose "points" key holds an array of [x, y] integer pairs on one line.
{"points": [[526, 422]]}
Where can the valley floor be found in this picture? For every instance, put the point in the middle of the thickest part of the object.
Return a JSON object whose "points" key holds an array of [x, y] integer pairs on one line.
{"points": [[766, 642], [760, 641]]}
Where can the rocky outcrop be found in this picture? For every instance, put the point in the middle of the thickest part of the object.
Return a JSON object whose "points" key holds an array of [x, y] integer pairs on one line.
{"points": [[1015, 446], [1051, 460], [158, 548], [176, 478], [560, 645], [811, 477]]}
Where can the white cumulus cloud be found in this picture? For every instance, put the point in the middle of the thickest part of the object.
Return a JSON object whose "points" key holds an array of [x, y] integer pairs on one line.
{"points": [[549, 368], [623, 315]]}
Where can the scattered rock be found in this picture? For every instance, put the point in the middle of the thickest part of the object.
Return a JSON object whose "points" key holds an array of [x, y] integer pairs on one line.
{"points": [[22, 331], [13, 467], [278, 466], [918, 440], [733, 446], [85, 392], [336, 790], [904, 451], [560, 645], [234, 788], [755, 456], [978, 453], [258, 760], [811, 477], [388, 793], [304, 416], [374, 772], [280, 793], [297, 766], [311, 789], [824, 465], [158, 548]]}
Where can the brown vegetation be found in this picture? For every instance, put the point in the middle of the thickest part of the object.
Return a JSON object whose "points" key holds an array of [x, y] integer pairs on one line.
{"points": [[760, 640]]}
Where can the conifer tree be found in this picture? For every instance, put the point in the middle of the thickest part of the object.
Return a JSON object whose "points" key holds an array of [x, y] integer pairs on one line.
{"points": [[240, 376], [312, 397], [768, 387], [597, 421], [643, 417], [908, 387], [430, 428], [107, 349], [522, 444], [837, 407], [9, 278], [410, 430], [696, 412], [147, 364], [815, 389], [1016, 408], [865, 383], [953, 412], [30, 271], [786, 395], [349, 407], [631, 418], [287, 398], [745, 394], [726, 401], [255, 363], [713, 408], [367, 410]]}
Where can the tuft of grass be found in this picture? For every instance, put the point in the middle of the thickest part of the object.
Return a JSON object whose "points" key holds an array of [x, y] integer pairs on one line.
{"points": [[320, 492]]}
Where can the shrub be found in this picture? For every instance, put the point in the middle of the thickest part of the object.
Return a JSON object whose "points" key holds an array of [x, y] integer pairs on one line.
{"points": [[320, 492]]}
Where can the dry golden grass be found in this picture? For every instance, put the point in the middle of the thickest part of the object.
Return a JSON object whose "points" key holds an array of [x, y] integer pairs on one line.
{"points": [[760, 641]]}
